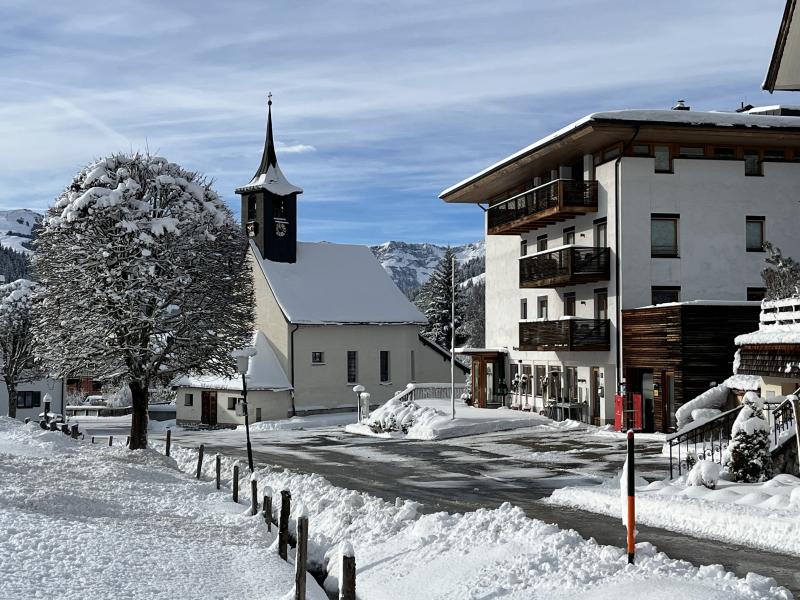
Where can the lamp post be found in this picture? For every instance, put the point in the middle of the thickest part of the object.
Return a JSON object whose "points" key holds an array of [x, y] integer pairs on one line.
{"points": [[358, 390], [453, 338], [242, 366]]}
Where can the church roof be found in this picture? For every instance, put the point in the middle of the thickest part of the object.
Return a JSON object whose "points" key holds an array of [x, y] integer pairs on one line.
{"points": [[336, 284], [269, 175]]}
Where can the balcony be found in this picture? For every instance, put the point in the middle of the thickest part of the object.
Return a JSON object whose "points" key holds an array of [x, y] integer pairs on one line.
{"points": [[569, 265], [543, 205], [571, 334]]}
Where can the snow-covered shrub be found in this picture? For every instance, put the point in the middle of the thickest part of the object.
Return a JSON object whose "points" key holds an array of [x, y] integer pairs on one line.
{"points": [[399, 415], [716, 398], [747, 457], [705, 473], [704, 414]]}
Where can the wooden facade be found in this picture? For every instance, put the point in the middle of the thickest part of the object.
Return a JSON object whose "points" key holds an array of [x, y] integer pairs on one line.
{"points": [[770, 360], [673, 352]]}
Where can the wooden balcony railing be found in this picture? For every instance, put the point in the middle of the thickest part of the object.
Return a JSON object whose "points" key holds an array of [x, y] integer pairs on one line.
{"points": [[543, 205], [566, 334], [566, 266]]}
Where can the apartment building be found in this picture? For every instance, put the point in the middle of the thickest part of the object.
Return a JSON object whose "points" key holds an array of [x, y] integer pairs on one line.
{"points": [[617, 211]]}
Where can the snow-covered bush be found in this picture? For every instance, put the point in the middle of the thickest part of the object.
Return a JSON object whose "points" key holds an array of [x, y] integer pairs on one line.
{"points": [[399, 415], [705, 473], [704, 414], [715, 398], [747, 457]]}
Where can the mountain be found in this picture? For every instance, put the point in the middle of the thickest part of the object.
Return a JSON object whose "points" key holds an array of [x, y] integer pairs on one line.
{"points": [[410, 265], [17, 228]]}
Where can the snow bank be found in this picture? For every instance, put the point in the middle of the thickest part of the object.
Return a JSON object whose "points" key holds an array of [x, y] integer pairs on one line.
{"points": [[716, 397], [705, 473]]}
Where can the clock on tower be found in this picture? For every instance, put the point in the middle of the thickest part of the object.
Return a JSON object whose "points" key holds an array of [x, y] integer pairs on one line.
{"points": [[269, 205]]}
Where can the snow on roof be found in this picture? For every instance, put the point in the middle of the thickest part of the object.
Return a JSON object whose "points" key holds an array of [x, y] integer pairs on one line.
{"points": [[336, 283], [745, 383], [702, 303], [273, 181], [264, 373], [664, 117], [771, 334]]}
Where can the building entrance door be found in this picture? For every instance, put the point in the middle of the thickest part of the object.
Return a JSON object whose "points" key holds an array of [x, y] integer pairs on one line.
{"points": [[208, 409], [595, 396]]}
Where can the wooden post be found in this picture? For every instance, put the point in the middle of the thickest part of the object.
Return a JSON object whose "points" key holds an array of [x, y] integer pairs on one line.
{"points": [[200, 460], [347, 584], [301, 558], [111, 440], [236, 483], [266, 508], [169, 440], [218, 459], [283, 525], [93, 439], [253, 495]]}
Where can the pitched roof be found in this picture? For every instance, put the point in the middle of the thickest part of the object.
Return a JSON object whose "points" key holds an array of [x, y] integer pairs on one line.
{"points": [[336, 283]]}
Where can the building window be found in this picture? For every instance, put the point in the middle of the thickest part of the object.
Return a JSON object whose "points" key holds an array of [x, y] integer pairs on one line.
{"points": [[663, 159], [541, 307], [541, 243], [775, 155], [754, 234], [724, 153], [385, 366], [691, 152], [251, 207], [188, 399], [601, 304], [640, 150], [29, 399], [523, 248], [232, 400], [569, 304], [662, 294], [752, 162], [523, 308], [600, 235], [352, 366], [571, 383], [569, 236], [413, 368], [664, 236], [756, 294], [540, 373], [317, 358], [526, 370]]}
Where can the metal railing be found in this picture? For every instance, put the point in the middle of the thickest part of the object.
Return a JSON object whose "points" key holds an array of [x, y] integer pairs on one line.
{"points": [[565, 334], [711, 436], [565, 266], [427, 391], [560, 193]]}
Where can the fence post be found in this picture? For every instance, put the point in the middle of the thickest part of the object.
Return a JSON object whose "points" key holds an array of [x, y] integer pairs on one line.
{"points": [[631, 520], [169, 440], [301, 557], [347, 584], [93, 439], [111, 440], [266, 507], [283, 525], [253, 495], [236, 483], [218, 460], [75, 431], [200, 460]]}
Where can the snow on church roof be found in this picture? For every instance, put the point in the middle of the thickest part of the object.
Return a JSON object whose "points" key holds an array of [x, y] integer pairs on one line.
{"points": [[336, 283], [264, 373]]}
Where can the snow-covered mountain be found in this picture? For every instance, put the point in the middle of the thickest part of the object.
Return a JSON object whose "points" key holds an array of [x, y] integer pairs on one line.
{"points": [[410, 265], [16, 228]]}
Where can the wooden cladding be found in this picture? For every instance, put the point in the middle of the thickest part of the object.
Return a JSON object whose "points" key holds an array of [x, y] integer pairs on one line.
{"points": [[566, 335], [770, 360], [543, 205], [566, 266]]}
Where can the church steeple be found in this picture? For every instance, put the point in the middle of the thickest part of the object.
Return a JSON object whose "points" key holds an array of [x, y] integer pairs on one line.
{"points": [[269, 205]]}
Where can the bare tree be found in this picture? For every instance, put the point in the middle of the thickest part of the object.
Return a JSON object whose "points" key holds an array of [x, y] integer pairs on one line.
{"points": [[16, 344], [143, 273]]}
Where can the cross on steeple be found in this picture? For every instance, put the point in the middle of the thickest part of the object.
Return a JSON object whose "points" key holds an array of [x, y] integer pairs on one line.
{"points": [[269, 99]]}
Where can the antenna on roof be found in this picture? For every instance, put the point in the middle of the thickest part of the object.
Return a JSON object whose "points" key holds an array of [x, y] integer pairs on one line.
{"points": [[681, 105]]}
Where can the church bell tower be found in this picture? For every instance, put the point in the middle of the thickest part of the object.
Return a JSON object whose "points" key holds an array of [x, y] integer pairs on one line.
{"points": [[269, 205]]}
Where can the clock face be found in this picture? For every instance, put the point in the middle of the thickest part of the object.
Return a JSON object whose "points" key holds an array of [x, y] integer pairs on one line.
{"points": [[280, 228]]}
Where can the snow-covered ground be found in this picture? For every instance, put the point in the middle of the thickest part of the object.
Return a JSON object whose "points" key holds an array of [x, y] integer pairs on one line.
{"points": [[760, 515], [430, 420], [82, 521], [482, 554]]}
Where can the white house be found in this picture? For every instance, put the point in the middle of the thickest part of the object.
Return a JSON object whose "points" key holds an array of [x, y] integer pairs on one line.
{"points": [[331, 314], [621, 210], [30, 398]]}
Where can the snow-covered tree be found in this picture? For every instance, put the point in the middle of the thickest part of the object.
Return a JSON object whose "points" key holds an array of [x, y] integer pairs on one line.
{"points": [[143, 273], [782, 277], [747, 457], [435, 300], [16, 343]]}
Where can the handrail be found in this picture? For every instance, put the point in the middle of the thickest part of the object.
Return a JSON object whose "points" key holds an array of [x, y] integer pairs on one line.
{"points": [[533, 189], [779, 419], [702, 432]]}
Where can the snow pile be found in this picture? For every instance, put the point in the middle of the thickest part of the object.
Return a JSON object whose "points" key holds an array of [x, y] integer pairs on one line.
{"points": [[400, 415], [481, 554], [306, 422], [705, 473], [715, 398], [746, 383], [84, 521]]}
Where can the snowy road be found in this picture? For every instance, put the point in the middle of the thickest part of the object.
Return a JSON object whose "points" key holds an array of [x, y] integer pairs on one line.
{"points": [[464, 474]]}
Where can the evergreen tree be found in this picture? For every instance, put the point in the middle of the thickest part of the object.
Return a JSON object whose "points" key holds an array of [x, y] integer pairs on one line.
{"points": [[13, 265], [748, 457], [143, 274], [435, 301], [475, 314], [782, 277], [16, 344]]}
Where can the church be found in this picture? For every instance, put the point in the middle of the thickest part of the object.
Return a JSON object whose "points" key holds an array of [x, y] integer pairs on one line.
{"points": [[330, 314]]}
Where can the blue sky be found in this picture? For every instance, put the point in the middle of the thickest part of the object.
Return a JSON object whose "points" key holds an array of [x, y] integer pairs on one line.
{"points": [[378, 105]]}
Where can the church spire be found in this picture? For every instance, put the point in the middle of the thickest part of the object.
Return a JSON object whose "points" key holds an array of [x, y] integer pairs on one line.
{"points": [[268, 158]]}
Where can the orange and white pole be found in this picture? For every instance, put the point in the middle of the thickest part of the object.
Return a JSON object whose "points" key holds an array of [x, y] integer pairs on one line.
{"points": [[631, 520]]}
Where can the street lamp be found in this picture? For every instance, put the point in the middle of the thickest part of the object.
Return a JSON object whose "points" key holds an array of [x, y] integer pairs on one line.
{"points": [[242, 365], [358, 390]]}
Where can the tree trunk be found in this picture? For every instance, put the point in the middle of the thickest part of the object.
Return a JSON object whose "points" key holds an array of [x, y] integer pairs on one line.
{"points": [[12, 399], [140, 397]]}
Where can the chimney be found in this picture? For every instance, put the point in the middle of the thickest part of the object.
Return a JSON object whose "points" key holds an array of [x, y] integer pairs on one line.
{"points": [[681, 105], [744, 108]]}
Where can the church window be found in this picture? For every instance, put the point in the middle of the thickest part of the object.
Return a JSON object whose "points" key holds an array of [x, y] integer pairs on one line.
{"points": [[385, 374], [352, 366], [251, 207], [318, 358]]}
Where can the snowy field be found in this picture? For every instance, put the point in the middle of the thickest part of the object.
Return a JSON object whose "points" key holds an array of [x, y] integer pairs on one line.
{"points": [[82, 521], [760, 515]]}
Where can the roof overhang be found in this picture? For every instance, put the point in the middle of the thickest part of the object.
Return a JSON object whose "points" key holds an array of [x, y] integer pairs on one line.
{"points": [[784, 68]]}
